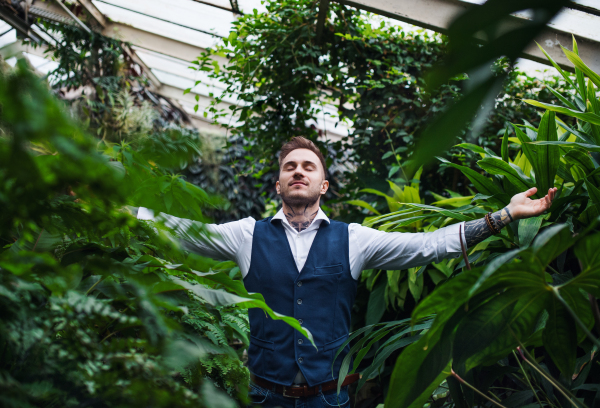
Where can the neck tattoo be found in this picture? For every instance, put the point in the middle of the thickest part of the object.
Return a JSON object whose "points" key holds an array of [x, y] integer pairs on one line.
{"points": [[300, 219]]}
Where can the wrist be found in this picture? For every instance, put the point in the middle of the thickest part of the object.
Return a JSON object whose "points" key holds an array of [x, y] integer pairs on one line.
{"points": [[513, 213]]}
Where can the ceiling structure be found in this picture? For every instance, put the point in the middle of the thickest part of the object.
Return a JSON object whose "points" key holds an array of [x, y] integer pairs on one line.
{"points": [[166, 35]]}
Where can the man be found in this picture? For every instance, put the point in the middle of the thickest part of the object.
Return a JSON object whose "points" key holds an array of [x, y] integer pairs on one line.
{"points": [[307, 266]]}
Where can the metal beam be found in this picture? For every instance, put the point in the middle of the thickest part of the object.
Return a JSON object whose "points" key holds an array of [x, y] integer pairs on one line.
{"points": [[587, 6], [437, 15], [9, 17], [146, 71], [123, 32], [73, 16], [94, 14], [153, 42]]}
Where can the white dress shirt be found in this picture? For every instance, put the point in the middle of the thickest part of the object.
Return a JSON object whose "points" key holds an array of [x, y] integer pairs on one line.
{"points": [[369, 248]]}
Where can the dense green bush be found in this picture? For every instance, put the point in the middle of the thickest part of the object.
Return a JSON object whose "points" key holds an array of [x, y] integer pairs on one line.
{"points": [[533, 288], [373, 72], [99, 309]]}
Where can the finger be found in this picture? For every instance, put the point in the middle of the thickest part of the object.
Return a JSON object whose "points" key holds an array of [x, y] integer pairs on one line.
{"points": [[531, 192]]}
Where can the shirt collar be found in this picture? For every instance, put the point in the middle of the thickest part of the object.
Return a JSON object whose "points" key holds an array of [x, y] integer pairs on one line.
{"points": [[319, 217]]}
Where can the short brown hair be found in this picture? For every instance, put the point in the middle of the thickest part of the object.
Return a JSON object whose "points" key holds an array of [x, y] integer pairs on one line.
{"points": [[300, 142]]}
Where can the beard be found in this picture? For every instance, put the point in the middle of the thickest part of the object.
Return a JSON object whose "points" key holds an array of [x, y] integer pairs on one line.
{"points": [[297, 198]]}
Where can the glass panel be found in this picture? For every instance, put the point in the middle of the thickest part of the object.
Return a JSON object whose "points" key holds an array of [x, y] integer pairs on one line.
{"points": [[246, 6], [156, 26], [578, 23], [41, 64], [168, 65], [4, 27], [9, 37], [186, 13], [219, 3], [593, 4], [568, 20]]}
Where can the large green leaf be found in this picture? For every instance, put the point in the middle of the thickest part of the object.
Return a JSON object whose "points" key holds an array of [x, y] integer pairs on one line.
{"points": [[376, 305], [560, 337], [548, 156], [448, 213], [391, 201], [222, 298], [358, 346], [483, 184], [497, 166], [382, 354], [363, 204], [585, 116], [504, 148], [420, 368], [528, 229], [579, 133], [588, 254], [519, 327], [448, 297], [564, 74], [586, 146], [529, 150], [576, 157], [593, 192], [524, 276], [492, 267], [579, 64], [481, 327], [551, 242], [580, 304]]}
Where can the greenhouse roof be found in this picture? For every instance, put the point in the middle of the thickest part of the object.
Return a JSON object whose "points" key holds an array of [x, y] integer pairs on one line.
{"points": [[167, 34]]}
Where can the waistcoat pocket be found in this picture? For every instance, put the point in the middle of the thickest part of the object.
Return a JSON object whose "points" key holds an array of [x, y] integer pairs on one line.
{"points": [[329, 270], [262, 343]]}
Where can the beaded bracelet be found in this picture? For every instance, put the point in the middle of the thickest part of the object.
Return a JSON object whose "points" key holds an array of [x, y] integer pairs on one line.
{"points": [[491, 224]]}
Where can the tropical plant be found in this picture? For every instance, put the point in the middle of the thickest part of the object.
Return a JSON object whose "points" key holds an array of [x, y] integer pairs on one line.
{"points": [[526, 309], [375, 82], [96, 304]]}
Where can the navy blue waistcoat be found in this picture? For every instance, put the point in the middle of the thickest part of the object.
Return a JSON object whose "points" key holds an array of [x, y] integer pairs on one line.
{"points": [[320, 297]]}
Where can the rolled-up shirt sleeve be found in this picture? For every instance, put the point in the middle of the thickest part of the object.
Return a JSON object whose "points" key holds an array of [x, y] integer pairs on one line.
{"points": [[223, 241], [402, 250]]}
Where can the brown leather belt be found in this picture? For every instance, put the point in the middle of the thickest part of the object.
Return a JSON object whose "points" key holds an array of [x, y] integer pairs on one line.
{"points": [[297, 391]]}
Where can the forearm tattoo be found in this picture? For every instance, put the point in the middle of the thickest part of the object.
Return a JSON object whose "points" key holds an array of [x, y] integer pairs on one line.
{"points": [[478, 230], [300, 219]]}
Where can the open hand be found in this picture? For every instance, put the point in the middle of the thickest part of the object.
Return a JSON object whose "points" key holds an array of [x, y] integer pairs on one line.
{"points": [[521, 206]]}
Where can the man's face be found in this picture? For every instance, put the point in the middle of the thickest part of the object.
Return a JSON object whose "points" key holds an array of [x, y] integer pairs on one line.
{"points": [[301, 178]]}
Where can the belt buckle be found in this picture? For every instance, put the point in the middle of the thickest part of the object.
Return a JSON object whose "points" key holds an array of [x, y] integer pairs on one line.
{"points": [[289, 396]]}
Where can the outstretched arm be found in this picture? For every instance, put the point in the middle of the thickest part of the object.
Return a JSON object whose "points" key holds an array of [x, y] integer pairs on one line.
{"points": [[223, 241], [521, 206], [371, 248]]}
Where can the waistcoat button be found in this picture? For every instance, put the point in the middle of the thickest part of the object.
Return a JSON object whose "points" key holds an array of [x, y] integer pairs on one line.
{"points": [[300, 360], [299, 301], [299, 283], [300, 321], [300, 341]]}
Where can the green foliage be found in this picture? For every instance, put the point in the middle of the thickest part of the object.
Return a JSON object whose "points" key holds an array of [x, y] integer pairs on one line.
{"points": [[374, 77], [223, 326], [96, 304], [531, 285], [468, 56]]}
